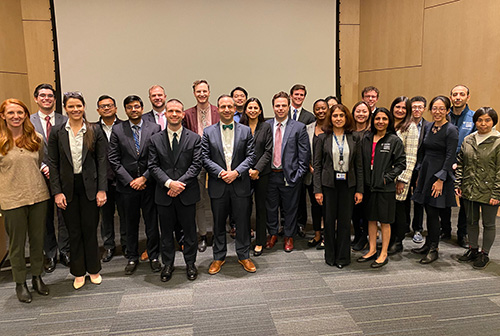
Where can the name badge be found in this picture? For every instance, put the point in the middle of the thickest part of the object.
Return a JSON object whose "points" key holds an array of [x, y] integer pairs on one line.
{"points": [[340, 176]]}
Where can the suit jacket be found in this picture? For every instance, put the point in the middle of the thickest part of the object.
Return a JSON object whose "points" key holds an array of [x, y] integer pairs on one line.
{"points": [[35, 120], [191, 117], [305, 116], [109, 171], [122, 155], [183, 167], [149, 116], [263, 141], [214, 162], [61, 164], [310, 129], [421, 136], [324, 175], [295, 151]]}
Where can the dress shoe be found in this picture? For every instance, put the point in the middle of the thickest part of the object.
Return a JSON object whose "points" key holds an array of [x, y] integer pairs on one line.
{"points": [[96, 279], [431, 256], [360, 244], [50, 265], [288, 246], [313, 242], [144, 256], [202, 244], [341, 266], [445, 236], [257, 252], [155, 265], [22, 292], [463, 242], [248, 265], [64, 259], [396, 247], [321, 245], [39, 286], [166, 273], [108, 255], [191, 272], [271, 241], [131, 267], [301, 231], [78, 282], [375, 264], [215, 266], [362, 259], [421, 250]]}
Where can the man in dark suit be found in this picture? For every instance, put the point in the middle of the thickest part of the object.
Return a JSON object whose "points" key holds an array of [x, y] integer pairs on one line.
{"points": [[175, 162], [128, 156], [290, 161], [228, 154], [157, 97], [240, 96], [44, 120], [196, 119], [106, 107]]}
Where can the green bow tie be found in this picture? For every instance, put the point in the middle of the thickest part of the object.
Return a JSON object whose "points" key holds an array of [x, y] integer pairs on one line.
{"points": [[224, 127]]}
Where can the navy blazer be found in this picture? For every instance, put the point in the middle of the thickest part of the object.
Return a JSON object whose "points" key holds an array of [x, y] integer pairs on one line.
{"points": [[214, 162], [61, 164], [35, 120], [295, 150], [122, 155], [184, 167], [305, 116]]}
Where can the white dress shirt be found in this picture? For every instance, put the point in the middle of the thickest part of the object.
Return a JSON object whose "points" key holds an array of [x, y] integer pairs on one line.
{"points": [[76, 146], [52, 120]]}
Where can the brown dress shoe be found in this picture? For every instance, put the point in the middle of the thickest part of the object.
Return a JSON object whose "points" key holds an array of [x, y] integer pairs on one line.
{"points": [[288, 244], [248, 265], [215, 266], [271, 240]]}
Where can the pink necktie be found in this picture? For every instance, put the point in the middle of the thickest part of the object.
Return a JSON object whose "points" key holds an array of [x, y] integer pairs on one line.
{"points": [[277, 147], [161, 120], [49, 126]]}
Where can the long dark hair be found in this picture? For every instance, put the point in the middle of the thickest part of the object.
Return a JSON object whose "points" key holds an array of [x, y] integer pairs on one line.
{"points": [[390, 127], [88, 137], [244, 118], [362, 102], [406, 122], [349, 121]]}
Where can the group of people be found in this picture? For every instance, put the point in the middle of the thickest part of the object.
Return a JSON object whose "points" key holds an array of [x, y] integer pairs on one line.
{"points": [[363, 168]]}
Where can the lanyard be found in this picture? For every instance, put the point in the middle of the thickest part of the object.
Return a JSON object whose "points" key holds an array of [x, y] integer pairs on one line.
{"points": [[341, 149]]}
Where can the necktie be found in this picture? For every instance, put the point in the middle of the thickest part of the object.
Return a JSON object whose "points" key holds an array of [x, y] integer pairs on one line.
{"points": [[175, 145], [135, 128], [224, 127], [295, 114], [204, 119], [277, 147], [48, 127], [161, 120]]}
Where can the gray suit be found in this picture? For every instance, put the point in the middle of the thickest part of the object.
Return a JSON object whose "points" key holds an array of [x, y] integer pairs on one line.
{"points": [[51, 245]]}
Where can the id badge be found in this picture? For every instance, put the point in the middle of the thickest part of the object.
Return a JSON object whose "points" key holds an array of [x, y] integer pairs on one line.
{"points": [[340, 176]]}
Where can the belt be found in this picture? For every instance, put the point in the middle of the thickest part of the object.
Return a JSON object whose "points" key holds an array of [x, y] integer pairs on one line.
{"points": [[277, 170]]}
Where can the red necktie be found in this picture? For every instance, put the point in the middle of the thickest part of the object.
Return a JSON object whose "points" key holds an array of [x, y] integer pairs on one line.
{"points": [[277, 147], [49, 126]]}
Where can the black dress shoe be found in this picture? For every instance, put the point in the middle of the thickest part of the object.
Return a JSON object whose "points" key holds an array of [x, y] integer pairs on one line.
{"points": [[191, 272], [155, 265], [421, 250], [430, 257], [202, 244], [108, 255], [363, 259], [375, 264], [39, 286], [463, 242], [360, 244], [131, 267], [396, 247], [50, 265], [166, 273], [301, 231], [341, 266], [64, 259], [22, 292]]}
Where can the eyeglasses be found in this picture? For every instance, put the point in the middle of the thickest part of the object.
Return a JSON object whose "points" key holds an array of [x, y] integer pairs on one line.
{"points": [[440, 109], [132, 107], [105, 106], [418, 108], [43, 95]]}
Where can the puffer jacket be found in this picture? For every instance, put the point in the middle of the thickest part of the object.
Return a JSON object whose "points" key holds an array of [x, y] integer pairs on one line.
{"points": [[478, 169]]}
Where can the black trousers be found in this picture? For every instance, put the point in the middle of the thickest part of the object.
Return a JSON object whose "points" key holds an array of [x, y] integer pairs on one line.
{"points": [[108, 219], [289, 197], [433, 225], [82, 217], [260, 191], [461, 224], [51, 244], [178, 215], [400, 226], [316, 209], [239, 208], [338, 204], [359, 221], [133, 203]]}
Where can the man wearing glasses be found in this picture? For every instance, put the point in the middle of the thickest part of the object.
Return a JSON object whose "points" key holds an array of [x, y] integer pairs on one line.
{"points": [[370, 95]]}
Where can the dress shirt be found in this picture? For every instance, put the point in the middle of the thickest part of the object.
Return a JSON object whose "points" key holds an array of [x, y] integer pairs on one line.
{"points": [[157, 118], [336, 154], [237, 116], [170, 139], [419, 126], [298, 112], [76, 146], [42, 116], [107, 129], [275, 127], [208, 118], [227, 136]]}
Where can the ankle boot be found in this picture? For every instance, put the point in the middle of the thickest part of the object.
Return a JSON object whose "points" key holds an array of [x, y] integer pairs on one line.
{"points": [[431, 256], [39, 285], [22, 292], [421, 250]]}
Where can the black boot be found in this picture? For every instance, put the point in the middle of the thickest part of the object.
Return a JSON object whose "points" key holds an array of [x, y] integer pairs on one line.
{"points": [[39, 286], [23, 294], [431, 256], [421, 250], [396, 247]]}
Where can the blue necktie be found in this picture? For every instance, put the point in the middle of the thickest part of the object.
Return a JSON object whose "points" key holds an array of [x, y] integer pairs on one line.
{"points": [[135, 129], [295, 114]]}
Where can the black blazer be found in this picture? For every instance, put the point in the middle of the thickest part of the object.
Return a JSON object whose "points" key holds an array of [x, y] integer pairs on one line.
{"points": [[324, 174], [305, 116], [422, 131], [149, 116], [61, 164], [263, 140], [184, 167], [109, 171], [122, 155]]}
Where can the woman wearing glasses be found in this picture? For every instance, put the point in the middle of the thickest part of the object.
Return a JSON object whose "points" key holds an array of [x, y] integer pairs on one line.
{"points": [[435, 185], [77, 162]]}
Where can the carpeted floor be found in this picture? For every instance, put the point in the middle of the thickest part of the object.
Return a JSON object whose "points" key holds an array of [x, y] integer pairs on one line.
{"points": [[291, 294]]}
